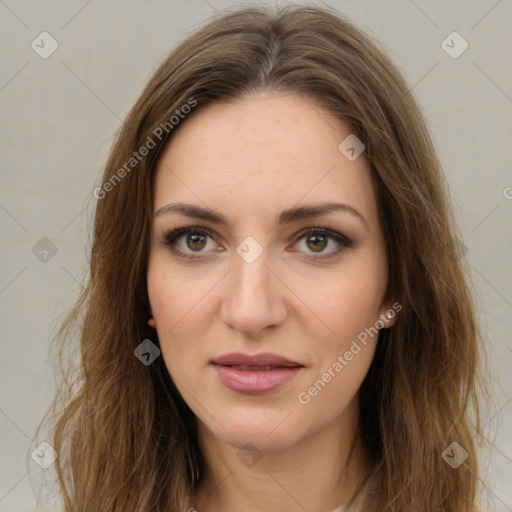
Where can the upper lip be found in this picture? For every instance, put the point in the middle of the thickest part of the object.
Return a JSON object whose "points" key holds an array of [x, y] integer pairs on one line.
{"points": [[263, 359]]}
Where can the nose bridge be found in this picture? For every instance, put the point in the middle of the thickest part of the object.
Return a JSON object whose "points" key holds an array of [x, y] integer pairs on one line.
{"points": [[252, 301], [250, 276]]}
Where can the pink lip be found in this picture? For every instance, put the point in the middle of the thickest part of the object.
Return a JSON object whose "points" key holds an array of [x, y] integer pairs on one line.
{"points": [[262, 359], [255, 382]]}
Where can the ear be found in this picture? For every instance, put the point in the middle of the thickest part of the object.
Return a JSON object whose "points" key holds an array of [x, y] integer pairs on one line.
{"points": [[389, 313], [151, 322]]}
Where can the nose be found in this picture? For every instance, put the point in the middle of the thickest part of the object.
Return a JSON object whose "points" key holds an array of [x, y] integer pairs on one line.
{"points": [[254, 298]]}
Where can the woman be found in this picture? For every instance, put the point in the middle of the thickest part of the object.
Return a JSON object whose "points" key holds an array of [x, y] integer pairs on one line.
{"points": [[277, 317]]}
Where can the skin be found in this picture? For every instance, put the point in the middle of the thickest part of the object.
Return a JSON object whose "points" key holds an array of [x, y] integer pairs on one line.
{"points": [[249, 160]]}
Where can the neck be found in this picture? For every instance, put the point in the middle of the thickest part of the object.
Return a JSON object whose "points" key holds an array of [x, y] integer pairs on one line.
{"points": [[318, 474]]}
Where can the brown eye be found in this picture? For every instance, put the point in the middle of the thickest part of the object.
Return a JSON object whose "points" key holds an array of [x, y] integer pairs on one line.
{"points": [[192, 242], [196, 242], [320, 241], [317, 243], [189, 242]]}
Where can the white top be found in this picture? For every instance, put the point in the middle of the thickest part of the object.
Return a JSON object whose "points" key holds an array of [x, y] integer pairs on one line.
{"points": [[337, 509], [341, 508], [352, 508]]}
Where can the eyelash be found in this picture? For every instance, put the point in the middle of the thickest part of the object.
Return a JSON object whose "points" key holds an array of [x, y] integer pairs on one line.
{"points": [[170, 238]]}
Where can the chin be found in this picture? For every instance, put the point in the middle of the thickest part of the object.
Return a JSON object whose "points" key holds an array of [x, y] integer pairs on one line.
{"points": [[267, 430]]}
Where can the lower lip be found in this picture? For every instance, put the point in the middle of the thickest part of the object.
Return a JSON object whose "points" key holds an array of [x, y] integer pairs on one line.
{"points": [[255, 382]]}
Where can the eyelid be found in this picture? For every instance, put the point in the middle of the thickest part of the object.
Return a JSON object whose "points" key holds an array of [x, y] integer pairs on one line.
{"points": [[331, 233], [170, 238], [343, 241]]}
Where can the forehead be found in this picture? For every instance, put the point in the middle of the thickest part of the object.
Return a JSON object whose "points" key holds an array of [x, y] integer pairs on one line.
{"points": [[264, 152]]}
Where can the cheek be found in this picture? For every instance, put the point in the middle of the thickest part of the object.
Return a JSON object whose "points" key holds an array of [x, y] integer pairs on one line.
{"points": [[174, 294], [349, 307], [337, 383], [179, 305], [346, 303]]}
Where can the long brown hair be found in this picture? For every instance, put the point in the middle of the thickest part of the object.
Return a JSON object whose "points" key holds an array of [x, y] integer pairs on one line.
{"points": [[126, 439]]}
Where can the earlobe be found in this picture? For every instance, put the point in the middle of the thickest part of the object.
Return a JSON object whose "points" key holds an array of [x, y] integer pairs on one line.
{"points": [[388, 316], [151, 322]]}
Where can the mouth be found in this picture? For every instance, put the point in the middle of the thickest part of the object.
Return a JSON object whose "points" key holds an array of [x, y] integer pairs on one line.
{"points": [[253, 368], [257, 374]]}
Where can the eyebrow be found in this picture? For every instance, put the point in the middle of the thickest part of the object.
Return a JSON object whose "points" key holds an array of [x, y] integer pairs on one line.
{"points": [[285, 217]]}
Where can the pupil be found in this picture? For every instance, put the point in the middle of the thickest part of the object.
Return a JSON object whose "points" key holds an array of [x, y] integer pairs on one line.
{"points": [[316, 238], [196, 239], [316, 242]]}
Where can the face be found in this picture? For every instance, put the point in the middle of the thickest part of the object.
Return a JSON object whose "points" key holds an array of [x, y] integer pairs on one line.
{"points": [[261, 299]]}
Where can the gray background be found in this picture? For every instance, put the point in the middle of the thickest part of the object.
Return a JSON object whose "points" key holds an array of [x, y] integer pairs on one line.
{"points": [[58, 119]]}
